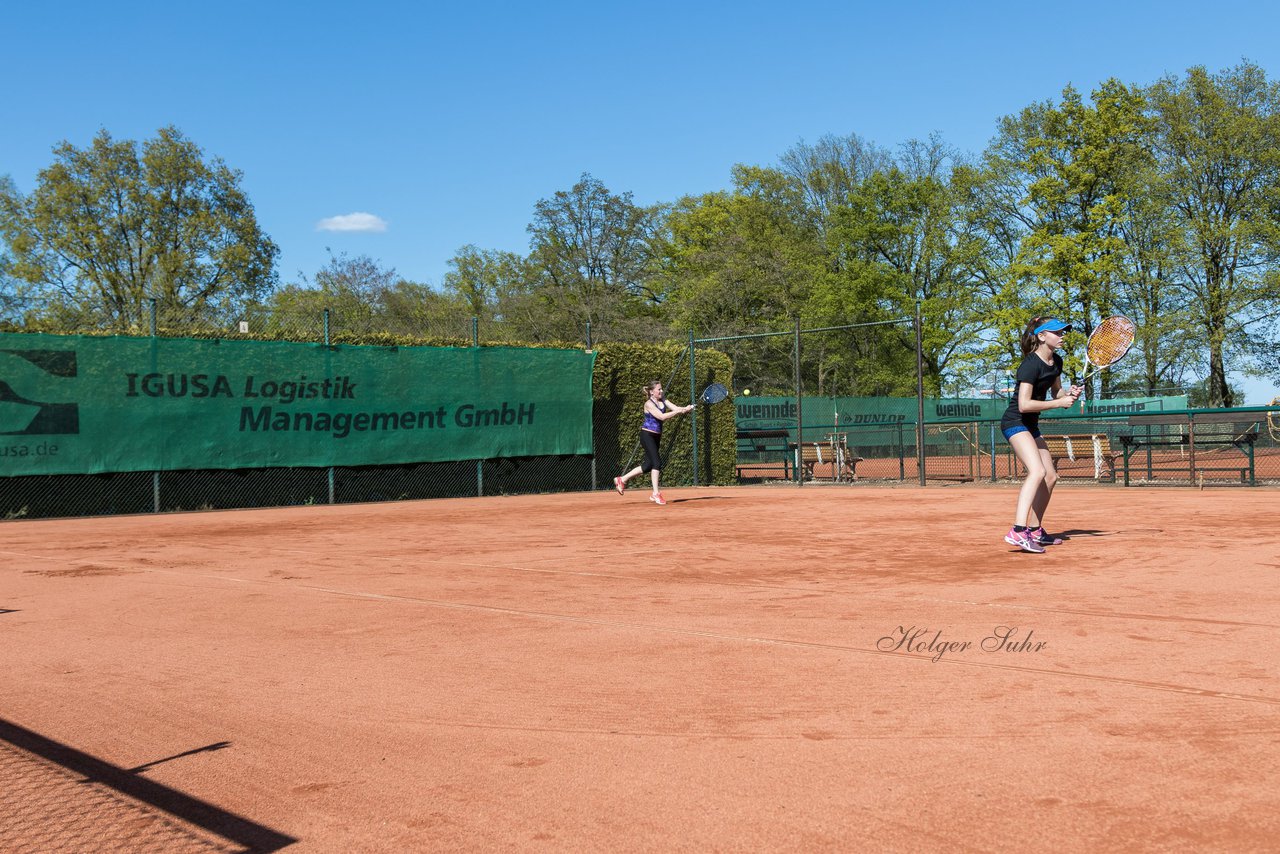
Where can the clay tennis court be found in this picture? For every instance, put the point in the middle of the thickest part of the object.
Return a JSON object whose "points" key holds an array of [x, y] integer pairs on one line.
{"points": [[752, 668]]}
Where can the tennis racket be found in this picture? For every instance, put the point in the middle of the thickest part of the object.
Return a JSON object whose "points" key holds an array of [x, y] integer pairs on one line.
{"points": [[713, 393], [1108, 344]]}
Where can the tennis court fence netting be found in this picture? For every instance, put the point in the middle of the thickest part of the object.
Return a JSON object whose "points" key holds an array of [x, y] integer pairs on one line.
{"points": [[796, 422]]}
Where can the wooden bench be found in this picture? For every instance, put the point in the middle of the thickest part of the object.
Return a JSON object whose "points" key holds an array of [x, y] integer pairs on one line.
{"points": [[1083, 447], [836, 455]]}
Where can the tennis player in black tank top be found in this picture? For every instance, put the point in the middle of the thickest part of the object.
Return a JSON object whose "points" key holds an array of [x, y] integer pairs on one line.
{"points": [[1038, 388]]}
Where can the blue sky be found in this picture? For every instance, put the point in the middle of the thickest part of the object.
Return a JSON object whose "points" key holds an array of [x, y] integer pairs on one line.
{"points": [[446, 123]]}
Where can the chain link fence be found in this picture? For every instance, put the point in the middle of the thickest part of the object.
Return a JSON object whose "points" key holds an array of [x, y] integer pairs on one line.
{"points": [[172, 491], [785, 431], [1238, 447], [810, 410], [312, 318]]}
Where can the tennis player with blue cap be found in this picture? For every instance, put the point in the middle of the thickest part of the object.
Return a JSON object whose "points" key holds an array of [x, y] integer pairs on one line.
{"points": [[1038, 388]]}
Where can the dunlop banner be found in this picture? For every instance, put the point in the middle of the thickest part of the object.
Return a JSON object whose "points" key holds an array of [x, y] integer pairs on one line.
{"points": [[83, 405]]}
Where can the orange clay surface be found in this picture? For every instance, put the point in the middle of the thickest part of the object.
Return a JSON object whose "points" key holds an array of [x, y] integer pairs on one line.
{"points": [[754, 668]]}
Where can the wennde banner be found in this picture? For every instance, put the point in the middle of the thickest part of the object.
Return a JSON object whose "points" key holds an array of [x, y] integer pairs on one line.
{"points": [[84, 405]]}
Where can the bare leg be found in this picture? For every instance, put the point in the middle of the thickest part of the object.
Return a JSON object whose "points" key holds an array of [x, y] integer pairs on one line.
{"points": [[653, 475], [1028, 452], [1041, 501], [633, 473]]}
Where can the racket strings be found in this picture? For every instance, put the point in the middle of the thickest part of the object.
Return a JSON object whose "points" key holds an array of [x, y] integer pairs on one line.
{"points": [[1110, 341], [714, 393]]}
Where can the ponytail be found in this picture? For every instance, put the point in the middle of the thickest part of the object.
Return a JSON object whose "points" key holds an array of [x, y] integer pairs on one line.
{"points": [[1030, 341]]}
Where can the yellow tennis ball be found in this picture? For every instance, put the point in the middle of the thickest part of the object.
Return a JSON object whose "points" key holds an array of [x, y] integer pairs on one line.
{"points": [[746, 392]]}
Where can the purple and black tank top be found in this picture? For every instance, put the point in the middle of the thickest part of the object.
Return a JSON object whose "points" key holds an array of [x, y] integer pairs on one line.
{"points": [[652, 424]]}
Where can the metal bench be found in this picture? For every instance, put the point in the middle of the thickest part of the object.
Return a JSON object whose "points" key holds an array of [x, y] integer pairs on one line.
{"points": [[1193, 438], [752, 444]]}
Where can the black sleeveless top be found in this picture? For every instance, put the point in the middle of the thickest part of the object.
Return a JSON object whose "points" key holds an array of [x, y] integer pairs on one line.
{"points": [[1033, 370]]}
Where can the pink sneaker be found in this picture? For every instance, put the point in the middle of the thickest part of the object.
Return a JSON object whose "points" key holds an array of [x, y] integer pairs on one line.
{"points": [[1044, 538], [619, 485], [1023, 540], [657, 498]]}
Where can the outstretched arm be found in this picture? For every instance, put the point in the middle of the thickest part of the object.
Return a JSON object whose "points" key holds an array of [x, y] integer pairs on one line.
{"points": [[652, 409]]}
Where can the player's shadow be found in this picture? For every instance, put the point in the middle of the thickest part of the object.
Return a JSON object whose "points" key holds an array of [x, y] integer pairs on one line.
{"points": [[249, 835], [699, 498], [8, 611], [1082, 532]]}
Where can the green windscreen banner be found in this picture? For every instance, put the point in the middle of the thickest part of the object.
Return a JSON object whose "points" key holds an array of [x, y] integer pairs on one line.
{"points": [[82, 405], [851, 413]]}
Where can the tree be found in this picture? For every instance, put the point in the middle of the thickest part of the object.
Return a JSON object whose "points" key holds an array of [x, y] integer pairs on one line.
{"points": [[112, 225], [905, 241], [1074, 164], [486, 280], [745, 261], [592, 256], [1150, 292], [1218, 144], [354, 290], [413, 308], [992, 222], [830, 171]]}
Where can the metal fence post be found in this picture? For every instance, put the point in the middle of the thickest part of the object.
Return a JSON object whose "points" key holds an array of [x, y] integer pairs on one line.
{"points": [[475, 342], [920, 453], [902, 454], [155, 475], [327, 343], [993, 452], [693, 392], [595, 476], [799, 410]]}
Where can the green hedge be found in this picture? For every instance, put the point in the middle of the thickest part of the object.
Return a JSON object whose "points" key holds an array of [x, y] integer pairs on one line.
{"points": [[621, 373]]}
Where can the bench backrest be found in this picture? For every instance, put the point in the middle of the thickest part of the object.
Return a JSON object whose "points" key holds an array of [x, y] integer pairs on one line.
{"points": [[1077, 444], [1204, 418]]}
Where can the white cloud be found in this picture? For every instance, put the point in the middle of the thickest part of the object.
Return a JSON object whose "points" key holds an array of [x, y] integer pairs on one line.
{"points": [[358, 221]]}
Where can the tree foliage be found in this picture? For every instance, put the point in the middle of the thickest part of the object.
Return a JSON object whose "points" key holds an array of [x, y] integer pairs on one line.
{"points": [[1218, 145], [591, 261], [111, 226], [1161, 202]]}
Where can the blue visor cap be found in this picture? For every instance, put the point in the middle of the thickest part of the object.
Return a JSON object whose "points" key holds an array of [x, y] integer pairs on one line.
{"points": [[1052, 326]]}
